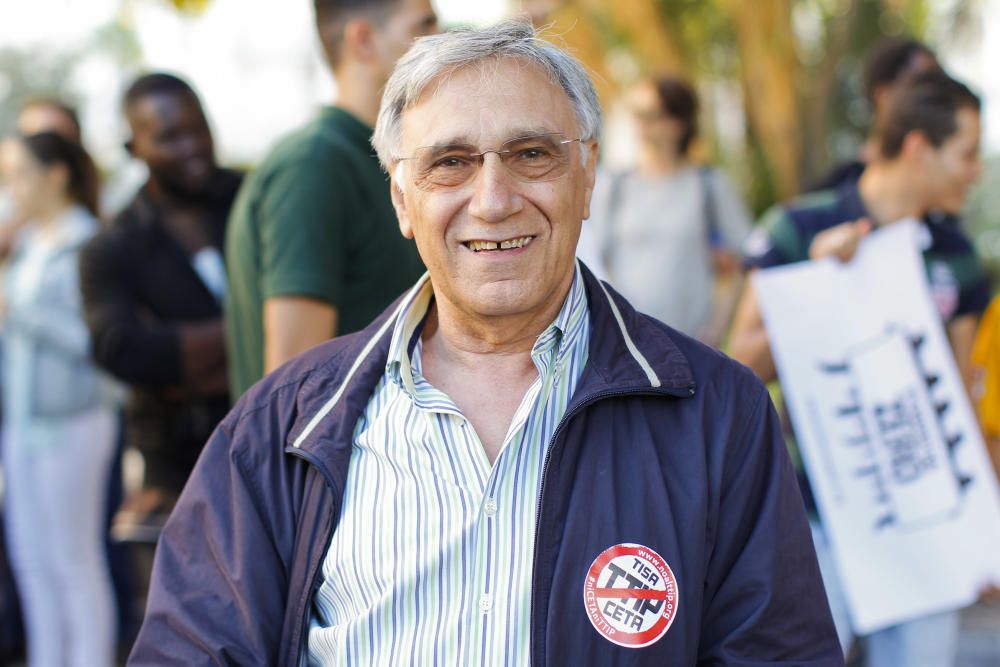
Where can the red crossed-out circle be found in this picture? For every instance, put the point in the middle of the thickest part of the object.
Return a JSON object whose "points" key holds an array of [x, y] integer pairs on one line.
{"points": [[602, 602]]}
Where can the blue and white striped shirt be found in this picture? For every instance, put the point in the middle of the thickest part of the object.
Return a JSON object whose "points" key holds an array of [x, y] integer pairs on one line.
{"points": [[431, 562]]}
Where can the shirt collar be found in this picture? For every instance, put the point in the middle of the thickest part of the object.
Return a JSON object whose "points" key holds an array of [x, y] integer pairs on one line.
{"points": [[569, 326], [567, 330]]}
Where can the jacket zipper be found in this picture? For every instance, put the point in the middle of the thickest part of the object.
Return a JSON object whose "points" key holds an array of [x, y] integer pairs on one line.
{"points": [[314, 576], [578, 408]]}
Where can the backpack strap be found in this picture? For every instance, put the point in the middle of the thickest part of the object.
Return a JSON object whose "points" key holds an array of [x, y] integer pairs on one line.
{"points": [[610, 214], [715, 238]]}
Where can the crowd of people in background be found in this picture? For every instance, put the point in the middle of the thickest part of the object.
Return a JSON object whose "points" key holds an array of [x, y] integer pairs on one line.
{"points": [[140, 332]]}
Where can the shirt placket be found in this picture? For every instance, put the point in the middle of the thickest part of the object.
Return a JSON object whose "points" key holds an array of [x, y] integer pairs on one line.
{"points": [[494, 523]]}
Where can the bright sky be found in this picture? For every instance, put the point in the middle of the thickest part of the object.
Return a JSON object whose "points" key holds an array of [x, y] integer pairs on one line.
{"points": [[255, 63], [257, 66]]}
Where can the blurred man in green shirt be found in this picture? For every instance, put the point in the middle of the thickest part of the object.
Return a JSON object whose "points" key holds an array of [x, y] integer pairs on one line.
{"points": [[314, 247]]}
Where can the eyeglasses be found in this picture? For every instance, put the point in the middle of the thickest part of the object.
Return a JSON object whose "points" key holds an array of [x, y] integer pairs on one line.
{"points": [[530, 159]]}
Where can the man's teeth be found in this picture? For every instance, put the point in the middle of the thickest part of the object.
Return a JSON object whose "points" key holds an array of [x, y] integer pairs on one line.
{"points": [[509, 244]]}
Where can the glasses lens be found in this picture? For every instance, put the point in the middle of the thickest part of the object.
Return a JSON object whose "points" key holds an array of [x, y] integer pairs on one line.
{"points": [[445, 166], [542, 157]]}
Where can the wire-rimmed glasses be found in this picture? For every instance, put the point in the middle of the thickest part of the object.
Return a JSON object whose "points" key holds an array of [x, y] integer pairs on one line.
{"points": [[529, 159]]}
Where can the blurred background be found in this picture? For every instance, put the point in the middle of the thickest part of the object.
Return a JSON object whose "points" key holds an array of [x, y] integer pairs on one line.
{"points": [[779, 80], [780, 84]]}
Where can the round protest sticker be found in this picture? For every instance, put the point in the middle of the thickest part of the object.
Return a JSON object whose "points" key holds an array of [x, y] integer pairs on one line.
{"points": [[631, 595]]}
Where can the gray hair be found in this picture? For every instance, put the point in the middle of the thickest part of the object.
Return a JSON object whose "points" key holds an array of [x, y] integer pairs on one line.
{"points": [[439, 55]]}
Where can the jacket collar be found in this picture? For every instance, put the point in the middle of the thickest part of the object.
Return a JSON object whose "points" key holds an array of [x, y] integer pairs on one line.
{"points": [[569, 330], [629, 352]]}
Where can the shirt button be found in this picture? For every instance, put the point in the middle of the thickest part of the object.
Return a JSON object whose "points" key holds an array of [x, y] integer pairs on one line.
{"points": [[490, 508], [485, 603]]}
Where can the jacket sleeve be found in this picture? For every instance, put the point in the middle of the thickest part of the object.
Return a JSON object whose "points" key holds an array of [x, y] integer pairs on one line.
{"points": [[219, 583], [765, 603], [133, 350]]}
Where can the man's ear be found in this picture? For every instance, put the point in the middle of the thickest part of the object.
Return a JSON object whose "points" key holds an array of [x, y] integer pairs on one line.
{"points": [[399, 202], [915, 145], [590, 149], [880, 93], [359, 39]]}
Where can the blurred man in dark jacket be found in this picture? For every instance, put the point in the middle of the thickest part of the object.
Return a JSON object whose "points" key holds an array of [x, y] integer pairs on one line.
{"points": [[153, 286]]}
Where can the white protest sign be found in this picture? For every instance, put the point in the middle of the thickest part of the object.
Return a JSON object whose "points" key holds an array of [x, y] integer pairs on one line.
{"points": [[894, 455]]}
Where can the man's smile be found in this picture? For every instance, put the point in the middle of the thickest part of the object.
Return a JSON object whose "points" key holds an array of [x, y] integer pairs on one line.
{"points": [[498, 246]]}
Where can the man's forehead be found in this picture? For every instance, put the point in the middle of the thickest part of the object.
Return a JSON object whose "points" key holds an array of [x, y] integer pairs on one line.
{"points": [[163, 107], [473, 136], [491, 101]]}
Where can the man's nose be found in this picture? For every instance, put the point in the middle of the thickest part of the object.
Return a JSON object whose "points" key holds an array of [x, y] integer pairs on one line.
{"points": [[194, 144], [494, 192]]}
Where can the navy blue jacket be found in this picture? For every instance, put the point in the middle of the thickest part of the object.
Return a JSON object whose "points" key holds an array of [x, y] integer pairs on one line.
{"points": [[666, 443]]}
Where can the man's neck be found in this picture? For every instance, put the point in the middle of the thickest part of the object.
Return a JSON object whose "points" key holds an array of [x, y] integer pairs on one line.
{"points": [[358, 93], [48, 218], [167, 198], [475, 342], [888, 193], [484, 364]]}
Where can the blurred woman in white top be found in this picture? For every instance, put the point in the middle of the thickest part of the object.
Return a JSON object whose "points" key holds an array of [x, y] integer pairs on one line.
{"points": [[666, 232], [58, 418]]}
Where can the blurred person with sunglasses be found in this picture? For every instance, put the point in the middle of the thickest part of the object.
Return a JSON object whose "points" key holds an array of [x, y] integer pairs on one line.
{"points": [[667, 232]]}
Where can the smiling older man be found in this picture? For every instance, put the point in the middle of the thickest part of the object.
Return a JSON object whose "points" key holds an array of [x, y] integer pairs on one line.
{"points": [[510, 466]]}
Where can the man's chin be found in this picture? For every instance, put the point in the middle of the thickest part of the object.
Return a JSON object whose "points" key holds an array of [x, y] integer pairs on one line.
{"points": [[192, 189], [505, 298]]}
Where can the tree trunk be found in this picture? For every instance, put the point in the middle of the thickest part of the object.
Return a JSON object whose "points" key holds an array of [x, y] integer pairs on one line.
{"points": [[766, 44]]}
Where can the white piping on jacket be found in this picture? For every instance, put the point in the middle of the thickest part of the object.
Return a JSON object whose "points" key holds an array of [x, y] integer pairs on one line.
{"points": [[369, 346], [633, 350], [329, 405]]}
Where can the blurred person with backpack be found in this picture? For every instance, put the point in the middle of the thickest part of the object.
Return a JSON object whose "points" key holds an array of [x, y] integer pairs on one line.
{"points": [[666, 232]]}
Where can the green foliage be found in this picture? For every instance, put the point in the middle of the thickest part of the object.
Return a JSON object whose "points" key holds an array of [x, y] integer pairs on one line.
{"points": [[981, 218], [704, 36], [837, 121], [832, 38]]}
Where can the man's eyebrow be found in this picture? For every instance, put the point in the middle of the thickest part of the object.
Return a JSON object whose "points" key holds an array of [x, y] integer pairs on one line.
{"points": [[456, 140], [519, 132], [516, 133]]}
